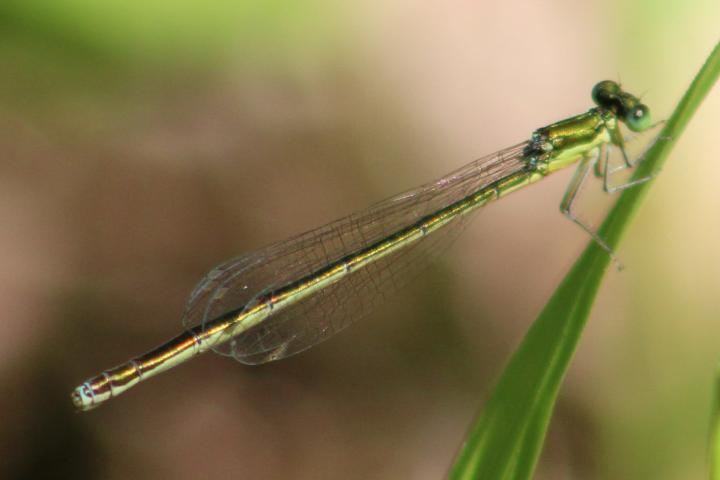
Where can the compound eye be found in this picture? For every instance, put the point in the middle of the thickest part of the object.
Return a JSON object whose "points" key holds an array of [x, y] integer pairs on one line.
{"points": [[638, 118], [605, 93]]}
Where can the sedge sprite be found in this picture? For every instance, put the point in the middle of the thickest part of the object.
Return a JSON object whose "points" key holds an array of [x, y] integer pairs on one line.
{"points": [[287, 297]]}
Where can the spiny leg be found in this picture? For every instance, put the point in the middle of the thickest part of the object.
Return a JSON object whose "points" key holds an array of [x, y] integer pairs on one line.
{"points": [[619, 141], [608, 172], [602, 165], [579, 177], [621, 186]]}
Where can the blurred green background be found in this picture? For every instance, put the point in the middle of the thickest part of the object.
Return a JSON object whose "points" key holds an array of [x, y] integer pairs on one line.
{"points": [[144, 142]]}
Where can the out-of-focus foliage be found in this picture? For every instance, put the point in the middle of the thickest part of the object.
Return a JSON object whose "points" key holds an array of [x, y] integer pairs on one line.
{"points": [[165, 31]]}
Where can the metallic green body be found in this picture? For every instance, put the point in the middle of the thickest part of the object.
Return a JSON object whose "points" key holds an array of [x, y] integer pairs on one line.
{"points": [[549, 149]]}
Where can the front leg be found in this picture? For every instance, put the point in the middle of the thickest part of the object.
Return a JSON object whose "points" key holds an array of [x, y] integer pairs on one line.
{"points": [[619, 141]]}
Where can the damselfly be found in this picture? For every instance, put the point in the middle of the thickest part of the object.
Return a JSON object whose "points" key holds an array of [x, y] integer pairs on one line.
{"points": [[287, 297]]}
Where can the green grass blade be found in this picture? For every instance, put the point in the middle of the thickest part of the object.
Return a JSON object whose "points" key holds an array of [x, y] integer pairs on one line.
{"points": [[506, 439], [714, 443]]}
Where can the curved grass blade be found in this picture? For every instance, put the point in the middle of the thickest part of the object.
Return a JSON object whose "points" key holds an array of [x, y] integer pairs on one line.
{"points": [[506, 439], [714, 439]]}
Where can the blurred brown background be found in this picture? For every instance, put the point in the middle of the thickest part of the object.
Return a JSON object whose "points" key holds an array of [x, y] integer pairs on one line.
{"points": [[143, 142]]}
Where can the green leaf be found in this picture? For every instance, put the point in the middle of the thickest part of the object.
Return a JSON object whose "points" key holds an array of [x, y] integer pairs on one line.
{"points": [[506, 439], [714, 439]]}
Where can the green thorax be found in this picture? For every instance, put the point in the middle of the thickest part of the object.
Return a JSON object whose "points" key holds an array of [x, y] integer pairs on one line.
{"points": [[562, 143]]}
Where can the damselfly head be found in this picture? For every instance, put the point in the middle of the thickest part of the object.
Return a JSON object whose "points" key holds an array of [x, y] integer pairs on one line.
{"points": [[610, 96]]}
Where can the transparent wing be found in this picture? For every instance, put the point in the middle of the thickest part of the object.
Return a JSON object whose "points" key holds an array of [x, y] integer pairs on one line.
{"points": [[237, 283]]}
